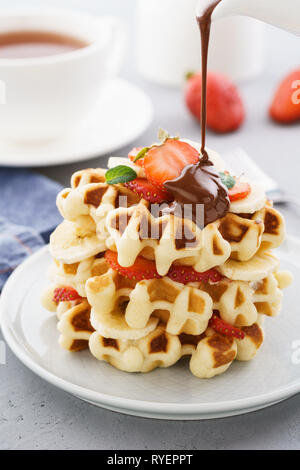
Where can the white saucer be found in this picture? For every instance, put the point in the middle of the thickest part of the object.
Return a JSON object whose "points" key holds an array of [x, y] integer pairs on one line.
{"points": [[123, 113], [172, 393]]}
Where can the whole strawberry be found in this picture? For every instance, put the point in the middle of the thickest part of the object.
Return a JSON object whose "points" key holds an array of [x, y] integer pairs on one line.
{"points": [[285, 106], [225, 109]]}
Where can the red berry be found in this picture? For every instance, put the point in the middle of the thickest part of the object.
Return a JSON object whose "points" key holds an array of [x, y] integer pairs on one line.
{"points": [[239, 191], [148, 191], [224, 328], [285, 106], [225, 109], [141, 269], [134, 153], [186, 274], [65, 294], [166, 162]]}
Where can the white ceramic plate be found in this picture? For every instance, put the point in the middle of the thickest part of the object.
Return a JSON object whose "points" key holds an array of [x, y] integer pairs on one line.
{"points": [[122, 114], [172, 393]]}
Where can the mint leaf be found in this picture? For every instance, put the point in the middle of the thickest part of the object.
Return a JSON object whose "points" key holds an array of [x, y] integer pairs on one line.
{"points": [[141, 154], [120, 174], [227, 179]]}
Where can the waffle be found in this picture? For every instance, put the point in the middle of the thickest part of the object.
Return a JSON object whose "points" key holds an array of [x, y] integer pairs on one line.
{"points": [[239, 302], [95, 200], [74, 325], [76, 274], [73, 320], [248, 347], [248, 233], [108, 295], [158, 349], [186, 308], [211, 353], [213, 356], [137, 326], [134, 230]]}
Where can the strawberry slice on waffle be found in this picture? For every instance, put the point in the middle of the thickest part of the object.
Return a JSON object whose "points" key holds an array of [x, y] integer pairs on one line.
{"points": [[144, 188], [65, 294], [219, 325]]}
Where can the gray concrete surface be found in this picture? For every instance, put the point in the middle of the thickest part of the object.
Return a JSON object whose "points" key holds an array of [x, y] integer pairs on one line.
{"points": [[33, 414]]}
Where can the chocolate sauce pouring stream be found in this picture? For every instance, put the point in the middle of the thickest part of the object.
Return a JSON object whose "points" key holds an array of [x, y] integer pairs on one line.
{"points": [[200, 184], [204, 23]]}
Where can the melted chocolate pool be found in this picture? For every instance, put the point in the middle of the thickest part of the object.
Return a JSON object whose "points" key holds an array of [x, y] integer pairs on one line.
{"points": [[199, 186]]}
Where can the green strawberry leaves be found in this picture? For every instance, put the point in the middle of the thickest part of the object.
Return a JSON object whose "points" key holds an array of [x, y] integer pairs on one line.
{"points": [[227, 179], [141, 154], [120, 174]]}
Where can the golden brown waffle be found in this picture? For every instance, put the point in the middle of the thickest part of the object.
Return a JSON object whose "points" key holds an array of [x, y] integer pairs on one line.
{"points": [[138, 326], [158, 349], [74, 324], [248, 347], [134, 230], [184, 308], [76, 274], [108, 295], [211, 353], [247, 233], [95, 200], [213, 356], [88, 176], [239, 302]]}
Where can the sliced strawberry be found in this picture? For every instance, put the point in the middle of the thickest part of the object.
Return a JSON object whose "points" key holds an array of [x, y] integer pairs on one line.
{"points": [[186, 274], [219, 325], [148, 191], [141, 269], [239, 191], [134, 153], [285, 107], [166, 162], [65, 294]]}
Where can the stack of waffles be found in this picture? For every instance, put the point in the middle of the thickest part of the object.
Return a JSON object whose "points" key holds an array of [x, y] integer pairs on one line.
{"points": [[141, 291]]}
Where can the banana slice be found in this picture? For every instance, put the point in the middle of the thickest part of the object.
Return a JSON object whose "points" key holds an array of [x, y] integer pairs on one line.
{"points": [[252, 203], [284, 279], [258, 267], [71, 243], [47, 299], [115, 161], [113, 325], [217, 160]]}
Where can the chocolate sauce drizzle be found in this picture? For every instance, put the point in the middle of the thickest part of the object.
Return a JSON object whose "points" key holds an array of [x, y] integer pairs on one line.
{"points": [[204, 23], [200, 185]]}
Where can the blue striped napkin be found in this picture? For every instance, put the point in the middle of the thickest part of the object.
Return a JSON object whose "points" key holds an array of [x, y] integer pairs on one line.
{"points": [[28, 215]]}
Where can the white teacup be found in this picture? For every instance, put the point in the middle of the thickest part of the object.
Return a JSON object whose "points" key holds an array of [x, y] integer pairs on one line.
{"points": [[44, 97]]}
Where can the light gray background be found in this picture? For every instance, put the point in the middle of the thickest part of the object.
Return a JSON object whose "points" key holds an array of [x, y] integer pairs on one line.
{"points": [[34, 414]]}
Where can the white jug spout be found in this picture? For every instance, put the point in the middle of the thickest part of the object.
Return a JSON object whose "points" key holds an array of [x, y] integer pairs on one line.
{"points": [[284, 14]]}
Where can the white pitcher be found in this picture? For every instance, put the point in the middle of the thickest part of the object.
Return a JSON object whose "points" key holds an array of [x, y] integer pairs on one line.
{"points": [[282, 13]]}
